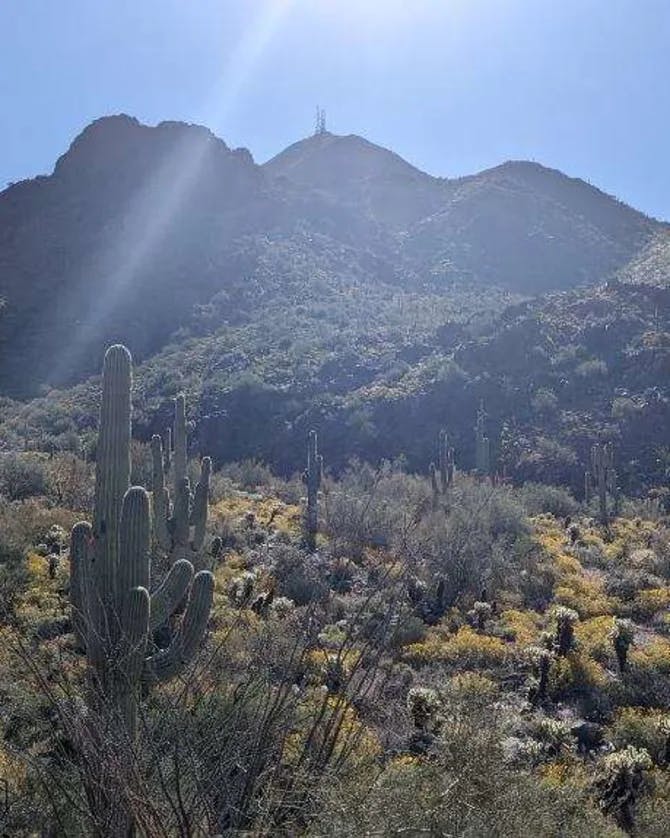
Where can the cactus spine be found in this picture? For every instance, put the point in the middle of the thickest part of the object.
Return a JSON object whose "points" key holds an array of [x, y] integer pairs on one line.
{"points": [[312, 477], [482, 444], [604, 477], [179, 525], [113, 613]]}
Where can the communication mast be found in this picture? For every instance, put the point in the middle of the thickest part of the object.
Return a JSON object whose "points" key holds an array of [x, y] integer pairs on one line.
{"points": [[320, 124]]}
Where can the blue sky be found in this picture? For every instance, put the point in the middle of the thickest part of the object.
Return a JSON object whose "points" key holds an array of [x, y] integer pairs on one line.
{"points": [[453, 86]]}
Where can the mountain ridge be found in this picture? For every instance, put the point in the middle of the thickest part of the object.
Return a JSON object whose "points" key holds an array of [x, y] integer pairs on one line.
{"points": [[138, 224]]}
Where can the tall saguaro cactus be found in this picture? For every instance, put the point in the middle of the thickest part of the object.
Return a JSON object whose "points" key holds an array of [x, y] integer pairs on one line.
{"points": [[312, 477], [445, 466], [482, 444], [113, 612], [604, 477], [179, 523], [445, 459]]}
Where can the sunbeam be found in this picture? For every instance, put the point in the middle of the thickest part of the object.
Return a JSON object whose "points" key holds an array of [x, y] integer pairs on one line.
{"points": [[147, 219]]}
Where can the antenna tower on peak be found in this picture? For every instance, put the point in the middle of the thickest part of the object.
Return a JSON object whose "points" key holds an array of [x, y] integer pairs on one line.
{"points": [[320, 125]]}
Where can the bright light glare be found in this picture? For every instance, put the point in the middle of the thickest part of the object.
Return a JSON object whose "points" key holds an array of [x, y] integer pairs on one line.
{"points": [[148, 218]]}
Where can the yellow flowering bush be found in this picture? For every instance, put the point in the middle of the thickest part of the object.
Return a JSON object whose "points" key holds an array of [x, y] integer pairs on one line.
{"points": [[654, 655], [573, 673], [592, 636], [650, 601], [522, 626], [643, 728], [466, 649]]}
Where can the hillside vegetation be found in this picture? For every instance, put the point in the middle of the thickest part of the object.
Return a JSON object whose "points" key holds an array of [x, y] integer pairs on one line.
{"points": [[458, 658]]}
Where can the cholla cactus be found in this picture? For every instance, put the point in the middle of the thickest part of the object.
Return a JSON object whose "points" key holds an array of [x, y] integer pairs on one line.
{"points": [[179, 524], [423, 704], [622, 635], [541, 659], [481, 612], [565, 629], [113, 612], [312, 477], [554, 734], [620, 783]]}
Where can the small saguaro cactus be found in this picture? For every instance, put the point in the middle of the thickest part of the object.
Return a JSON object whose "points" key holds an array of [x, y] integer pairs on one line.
{"points": [[312, 477], [482, 444], [604, 477], [434, 485], [622, 635], [180, 523], [113, 612]]}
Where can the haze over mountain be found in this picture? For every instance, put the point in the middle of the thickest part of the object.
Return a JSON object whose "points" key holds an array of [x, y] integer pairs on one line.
{"points": [[138, 224]]}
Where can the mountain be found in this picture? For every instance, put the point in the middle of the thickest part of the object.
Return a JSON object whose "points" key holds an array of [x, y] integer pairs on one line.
{"points": [[526, 227], [354, 172], [141, 231], [652, 264]]}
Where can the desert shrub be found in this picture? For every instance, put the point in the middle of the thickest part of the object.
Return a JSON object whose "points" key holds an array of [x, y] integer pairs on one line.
{"points": [[465, 789], [593, 368], [521, 626], [372, 507], [580, 590], [482, 541], [624, 584], [299, 577], [652, 655], [70, 481], [141, 469], [642, 728], [539, 498], [573, 675], [22, 475], [410, 629], [649, 602], [593, 636], [249, 475], [467, 649], [548, 462]]}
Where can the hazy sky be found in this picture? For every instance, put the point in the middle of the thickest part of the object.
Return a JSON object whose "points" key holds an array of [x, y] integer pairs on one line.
{"points": [[454, 86]]}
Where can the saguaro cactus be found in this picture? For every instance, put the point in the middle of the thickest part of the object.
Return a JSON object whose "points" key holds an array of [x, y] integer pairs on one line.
{"points": [[604, 477], [113, 612], [445, 458], [312, 477], [179, 525], [482, 444]]}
